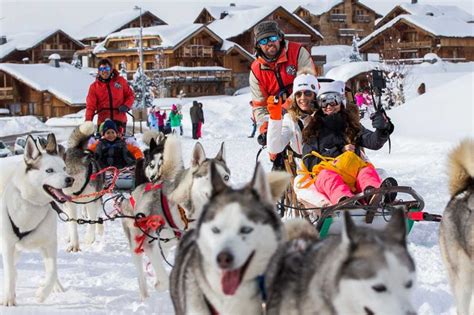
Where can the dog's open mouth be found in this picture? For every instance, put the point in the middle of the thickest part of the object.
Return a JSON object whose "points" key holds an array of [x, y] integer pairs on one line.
{"points": [[57, 194], [231, 279]]}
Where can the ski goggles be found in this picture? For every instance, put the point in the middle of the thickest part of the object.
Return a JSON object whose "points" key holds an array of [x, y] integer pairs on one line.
{"points": [[306, 93], [104, 68], [265, 40], [330, 99]]}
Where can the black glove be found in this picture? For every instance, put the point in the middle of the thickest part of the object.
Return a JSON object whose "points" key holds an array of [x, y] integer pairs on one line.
{"points": [[123, 109], [380, 121], [262, 139]]}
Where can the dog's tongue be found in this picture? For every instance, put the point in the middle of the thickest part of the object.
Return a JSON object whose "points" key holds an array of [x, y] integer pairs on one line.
{"points": [[230, 281], [60, 195]]}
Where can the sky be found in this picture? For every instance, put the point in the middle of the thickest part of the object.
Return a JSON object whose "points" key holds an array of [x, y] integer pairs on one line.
{"points": [[20, 15]]}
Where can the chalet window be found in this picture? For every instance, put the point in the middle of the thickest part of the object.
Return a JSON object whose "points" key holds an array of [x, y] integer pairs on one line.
{"points": [[122, 44], [148, 65], [154, 42]]}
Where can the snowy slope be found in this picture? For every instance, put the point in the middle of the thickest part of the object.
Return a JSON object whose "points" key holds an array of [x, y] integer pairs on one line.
{"points": [[101, 279]]}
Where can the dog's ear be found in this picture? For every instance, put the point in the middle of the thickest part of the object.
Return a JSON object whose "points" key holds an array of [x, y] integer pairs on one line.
{"points": [[32, 153], [349, 230], [140, 176], [260, 184], [221, 154], [161, 137], [152, 144], [278, 182], [396, 228], [218, 185], [51, 145], [198, 155]]}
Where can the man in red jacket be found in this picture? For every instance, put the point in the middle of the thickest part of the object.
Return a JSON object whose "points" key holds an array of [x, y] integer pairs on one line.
{"points": [[274, 70], [109, 96]]}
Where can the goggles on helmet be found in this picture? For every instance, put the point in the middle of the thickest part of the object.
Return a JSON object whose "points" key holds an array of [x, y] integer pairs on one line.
{"points": [[330, 98]]}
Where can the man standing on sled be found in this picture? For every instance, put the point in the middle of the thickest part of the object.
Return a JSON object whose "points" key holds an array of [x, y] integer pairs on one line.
{"points": [[274, 70]]}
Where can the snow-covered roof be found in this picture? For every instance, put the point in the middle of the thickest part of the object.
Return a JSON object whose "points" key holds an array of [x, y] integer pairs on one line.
{"points": [[349, 70], [215, 11], [436, 25], [323, 6], [184, 69], [66, 82], [27, 40], [228, 45], [171, 35], [237, 22], [437, 10], [332, 52], [109, 23]]}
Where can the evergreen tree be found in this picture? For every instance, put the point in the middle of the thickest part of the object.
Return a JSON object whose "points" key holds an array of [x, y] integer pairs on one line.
{"points": [[158, 80], [355, 55], [123, 69], [137, 89], [76, 62]]}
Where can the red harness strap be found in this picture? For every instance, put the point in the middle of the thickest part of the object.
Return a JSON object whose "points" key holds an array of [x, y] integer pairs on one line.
{"points": [[152, 222]]}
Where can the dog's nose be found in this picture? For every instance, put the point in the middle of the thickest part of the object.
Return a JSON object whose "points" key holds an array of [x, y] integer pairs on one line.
{"points": [[225, 259], [69, 181]]}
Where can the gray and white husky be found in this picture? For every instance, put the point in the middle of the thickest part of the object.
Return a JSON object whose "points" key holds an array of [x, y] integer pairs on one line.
{"points": [[218, 264], [188, 188], [28, 221], [457, 227], [80, 164], [363, 271]]}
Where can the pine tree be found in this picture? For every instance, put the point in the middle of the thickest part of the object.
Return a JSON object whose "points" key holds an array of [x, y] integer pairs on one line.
{"points": [[76, 62], [123, 69], [355, 55], [158, 80], [137, 89]]}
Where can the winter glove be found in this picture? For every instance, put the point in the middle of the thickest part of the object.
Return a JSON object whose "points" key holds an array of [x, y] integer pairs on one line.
{"points": [[274, 106], [123, 108], [381, 121]]}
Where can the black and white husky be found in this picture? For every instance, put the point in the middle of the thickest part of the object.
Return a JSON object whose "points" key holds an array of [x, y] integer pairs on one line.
{"points": [[219, 264], [28, 221], [457, 227], [363, 271], [186, 191]]}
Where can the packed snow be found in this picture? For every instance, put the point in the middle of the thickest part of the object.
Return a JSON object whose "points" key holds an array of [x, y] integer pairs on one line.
{"points": [[101, 279]]}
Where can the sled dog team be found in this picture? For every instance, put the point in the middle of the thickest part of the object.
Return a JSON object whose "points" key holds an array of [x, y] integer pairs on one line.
{"points": [[235, 255]]}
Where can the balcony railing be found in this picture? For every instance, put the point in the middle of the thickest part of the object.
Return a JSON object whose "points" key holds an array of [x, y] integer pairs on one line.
{"points": [[6, 93], [362, 18], [338, 17], [348, 32], [64, 53], [196, 51], [420, 44], [197, 76]]}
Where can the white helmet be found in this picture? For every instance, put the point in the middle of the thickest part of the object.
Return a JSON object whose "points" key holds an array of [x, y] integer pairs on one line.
{"points": [[334, 87], [305, 82]]}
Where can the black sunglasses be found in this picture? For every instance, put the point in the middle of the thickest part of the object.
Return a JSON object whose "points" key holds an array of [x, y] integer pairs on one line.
{"points": [[307, 93]]}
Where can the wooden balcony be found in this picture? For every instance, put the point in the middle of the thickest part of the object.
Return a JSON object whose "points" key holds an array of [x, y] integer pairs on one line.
{"points": [[192, 51], [348, 32], [64, 53], [197, 76], [338, 17], [6, 93], [361, 19], [407, 45]]}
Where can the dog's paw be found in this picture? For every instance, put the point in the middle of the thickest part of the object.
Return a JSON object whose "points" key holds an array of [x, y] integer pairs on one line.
{"points": [[161, 285], [89, 239], [58, 288], [9, 301], [41, 295], [144, 295], [73, 247]]}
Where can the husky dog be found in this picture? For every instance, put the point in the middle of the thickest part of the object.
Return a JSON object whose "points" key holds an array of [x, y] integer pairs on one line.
{"points": [[362, 271], [456, 232], [219, 263], [163, 175], [27, 218], [80, 164]]}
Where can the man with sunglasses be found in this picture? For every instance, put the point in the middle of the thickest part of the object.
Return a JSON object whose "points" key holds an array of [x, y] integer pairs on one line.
{"points": [[274, 70], [110, 96]]}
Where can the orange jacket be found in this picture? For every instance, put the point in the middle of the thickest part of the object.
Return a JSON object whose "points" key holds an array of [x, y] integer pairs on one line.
{"points": [[132, 148]]}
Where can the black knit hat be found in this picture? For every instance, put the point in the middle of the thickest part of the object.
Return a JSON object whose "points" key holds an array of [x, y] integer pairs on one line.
{"points": [[109, 124], [265, 29]]}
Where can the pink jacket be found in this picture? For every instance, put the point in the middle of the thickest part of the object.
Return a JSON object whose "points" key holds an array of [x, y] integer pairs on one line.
{"points": [[161, 117]]}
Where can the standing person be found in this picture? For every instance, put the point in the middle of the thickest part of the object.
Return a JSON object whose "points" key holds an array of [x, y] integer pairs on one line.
{"points": [[359, 98], [194, 113], [109, 96], [153, 123], [175, 119], [179, 107], [274, 70], [160, 118], [335, 131], [201, 121], [368, 101]]}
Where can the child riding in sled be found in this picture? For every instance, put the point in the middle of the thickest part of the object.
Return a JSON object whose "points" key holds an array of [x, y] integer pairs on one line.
{"points": [[112, 150]]}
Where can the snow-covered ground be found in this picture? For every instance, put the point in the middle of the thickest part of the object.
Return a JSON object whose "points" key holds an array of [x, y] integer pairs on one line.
{"points": [[101, 279]]}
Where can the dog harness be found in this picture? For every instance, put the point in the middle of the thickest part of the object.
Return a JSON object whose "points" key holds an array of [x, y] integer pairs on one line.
{"points": [[16, 229]]}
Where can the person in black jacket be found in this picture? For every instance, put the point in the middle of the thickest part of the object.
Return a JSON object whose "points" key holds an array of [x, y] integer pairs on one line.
{"points": [[335, 129], [194, 112]]}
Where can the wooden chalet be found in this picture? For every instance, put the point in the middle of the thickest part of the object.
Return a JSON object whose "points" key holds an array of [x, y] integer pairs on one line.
{"points": [[211, 13], [43, 90], [408, 38], [195, 60], [35, 47], [339, 22]]}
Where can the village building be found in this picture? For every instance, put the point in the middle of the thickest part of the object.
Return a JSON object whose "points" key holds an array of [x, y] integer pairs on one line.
{"points": [[211, 13], [36, 47], [339, 21], [43, 90], [408, 38]]}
